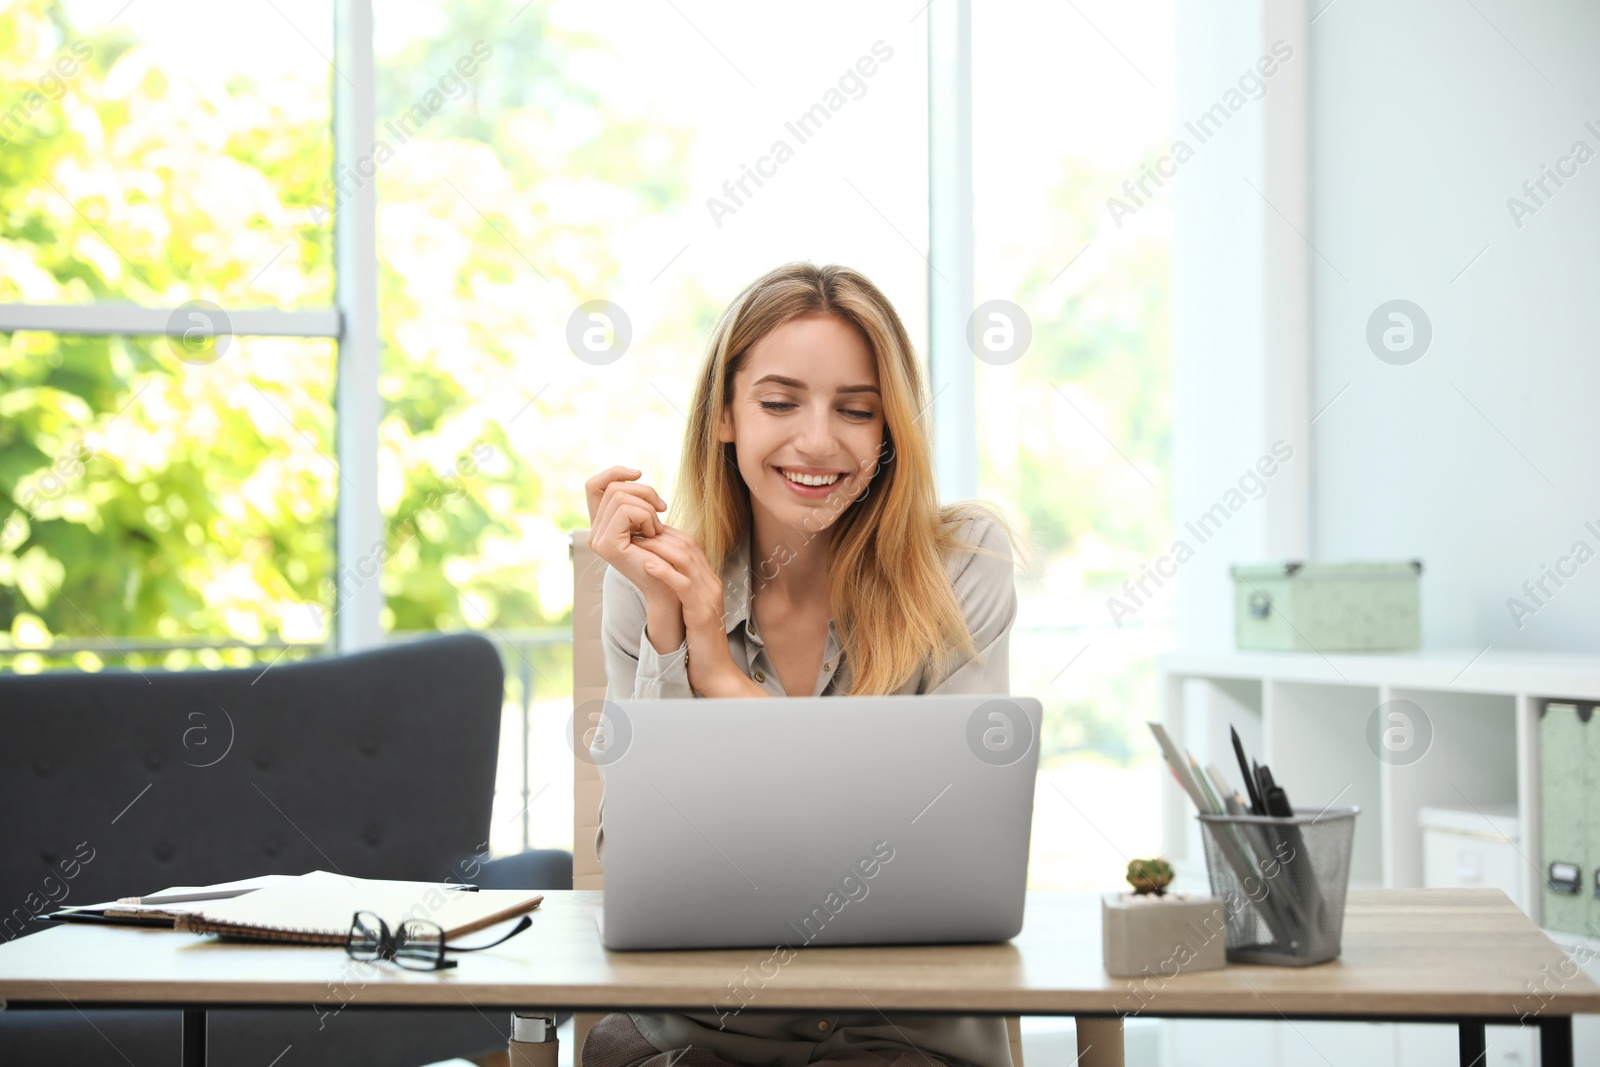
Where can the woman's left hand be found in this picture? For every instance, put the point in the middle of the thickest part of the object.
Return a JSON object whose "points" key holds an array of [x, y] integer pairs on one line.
{"points": [[682, 566]]}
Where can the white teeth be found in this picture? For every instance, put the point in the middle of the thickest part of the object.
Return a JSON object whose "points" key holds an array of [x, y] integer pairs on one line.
{"points": [[811, 479]]}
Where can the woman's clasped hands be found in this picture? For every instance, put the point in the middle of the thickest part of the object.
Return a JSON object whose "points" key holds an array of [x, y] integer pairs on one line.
{"points": [[683, 595]]}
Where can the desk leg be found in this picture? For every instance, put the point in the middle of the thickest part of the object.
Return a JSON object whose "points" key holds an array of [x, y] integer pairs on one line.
{"points": [[1474, 1047], [533, 1040], [1099, 1041], [1555, 1041], [193, 1050]]}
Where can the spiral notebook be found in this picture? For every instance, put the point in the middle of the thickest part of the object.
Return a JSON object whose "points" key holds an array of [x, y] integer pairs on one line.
{"points": [[317, 909]]}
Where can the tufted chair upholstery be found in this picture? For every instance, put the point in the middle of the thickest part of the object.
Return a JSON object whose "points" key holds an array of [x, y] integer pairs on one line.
{"points": [[379, 764]]}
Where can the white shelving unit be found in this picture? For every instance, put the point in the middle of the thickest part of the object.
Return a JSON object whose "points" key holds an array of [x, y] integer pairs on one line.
{"points": [[1311, 718]]}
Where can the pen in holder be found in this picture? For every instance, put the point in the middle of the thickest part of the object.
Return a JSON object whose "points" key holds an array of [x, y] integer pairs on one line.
{"points": [[1283, 881]]}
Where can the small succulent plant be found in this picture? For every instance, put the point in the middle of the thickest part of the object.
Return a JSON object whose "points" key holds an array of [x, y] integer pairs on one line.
{"points": [[1149, 876]]}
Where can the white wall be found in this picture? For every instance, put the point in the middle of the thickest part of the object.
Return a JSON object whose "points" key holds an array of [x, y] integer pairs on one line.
{"points": [[1426, 116], [1241, 285]]}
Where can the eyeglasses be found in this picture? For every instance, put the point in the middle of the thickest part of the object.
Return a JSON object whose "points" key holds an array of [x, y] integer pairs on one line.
{"points": [[417, 944]]}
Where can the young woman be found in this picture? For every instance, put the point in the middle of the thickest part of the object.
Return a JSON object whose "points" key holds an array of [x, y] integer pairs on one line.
{"points": [[808, 556]]}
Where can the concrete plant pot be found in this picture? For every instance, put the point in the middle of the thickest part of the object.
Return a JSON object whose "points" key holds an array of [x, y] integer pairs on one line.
{"points": [[1146, 934]]}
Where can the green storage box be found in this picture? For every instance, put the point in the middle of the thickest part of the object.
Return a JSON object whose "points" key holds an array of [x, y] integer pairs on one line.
{"points": [[1327, 607]]}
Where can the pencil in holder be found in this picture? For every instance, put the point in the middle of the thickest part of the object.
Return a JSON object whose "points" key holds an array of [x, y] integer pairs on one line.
{"points": [[1282, 881]]}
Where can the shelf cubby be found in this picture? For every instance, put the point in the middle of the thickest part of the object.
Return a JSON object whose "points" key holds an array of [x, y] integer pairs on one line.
{"points": [[1310, 717], [1470, 763], [1316, 744]]}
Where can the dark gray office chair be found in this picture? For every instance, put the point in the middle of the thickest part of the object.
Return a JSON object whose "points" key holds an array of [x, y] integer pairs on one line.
{"points": [[379, 764]]}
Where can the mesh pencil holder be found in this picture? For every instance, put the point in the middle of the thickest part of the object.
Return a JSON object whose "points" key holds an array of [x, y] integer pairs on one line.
{"points": [[1282, 881]]}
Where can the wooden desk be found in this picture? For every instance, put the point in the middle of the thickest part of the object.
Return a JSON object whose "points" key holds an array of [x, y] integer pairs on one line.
{"points": [[1409, 955]]}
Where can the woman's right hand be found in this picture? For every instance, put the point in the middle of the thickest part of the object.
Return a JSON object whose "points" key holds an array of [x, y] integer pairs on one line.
{"points": [[621, 511]]}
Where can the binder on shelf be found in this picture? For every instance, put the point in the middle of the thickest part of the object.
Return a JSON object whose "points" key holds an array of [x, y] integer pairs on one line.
{"points": [[1590, 807], [1566, 778]]}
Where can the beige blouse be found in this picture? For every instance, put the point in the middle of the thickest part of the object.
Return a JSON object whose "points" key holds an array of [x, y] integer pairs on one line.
{"points": [[985, 587]]}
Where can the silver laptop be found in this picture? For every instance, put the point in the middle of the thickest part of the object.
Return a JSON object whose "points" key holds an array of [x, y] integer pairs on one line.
{"points": [[816, 820]]}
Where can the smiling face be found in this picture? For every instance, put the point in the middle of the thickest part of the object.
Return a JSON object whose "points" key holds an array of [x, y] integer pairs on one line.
{"points": [[805, 407]]}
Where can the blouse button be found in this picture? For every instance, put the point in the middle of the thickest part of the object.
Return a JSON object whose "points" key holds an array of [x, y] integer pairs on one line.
{"points": [[760, 677], [822, 1024], [827, 666]]}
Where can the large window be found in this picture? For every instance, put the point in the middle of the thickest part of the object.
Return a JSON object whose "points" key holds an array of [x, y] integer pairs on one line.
{"points": [[565, 196], [565, 192], [159, 507], [575, 192], [149, 158], [1074, 434], [168, 479]]}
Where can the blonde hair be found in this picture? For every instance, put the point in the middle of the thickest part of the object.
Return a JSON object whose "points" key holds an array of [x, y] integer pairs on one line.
{"points": [[893, 604]]}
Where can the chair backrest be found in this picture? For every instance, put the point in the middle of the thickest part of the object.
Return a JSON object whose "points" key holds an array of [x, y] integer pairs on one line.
{"points": [[588, 689], [376, 764]]}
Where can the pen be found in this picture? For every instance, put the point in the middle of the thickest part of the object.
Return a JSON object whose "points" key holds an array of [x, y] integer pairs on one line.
{"points": [[227, 894], [1230, 799], [499, 916], [1214, 806], [184, 898], [1176, 765], [1273, 796], [1244, 769]]}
